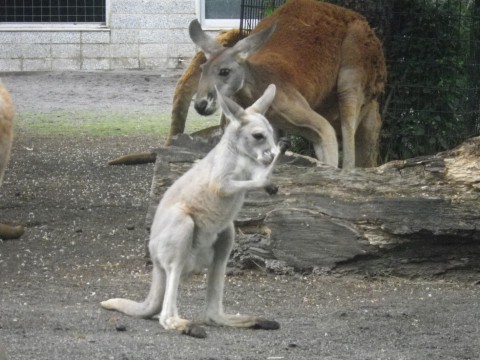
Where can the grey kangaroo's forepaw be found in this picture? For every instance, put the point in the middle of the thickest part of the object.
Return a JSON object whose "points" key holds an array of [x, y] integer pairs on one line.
{"points": [[195, 331], [271, 189], [284, 144], [263, 324]]}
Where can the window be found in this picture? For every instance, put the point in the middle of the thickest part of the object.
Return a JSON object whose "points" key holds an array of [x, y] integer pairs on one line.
{"points": [[219, 14], [53, 12]]}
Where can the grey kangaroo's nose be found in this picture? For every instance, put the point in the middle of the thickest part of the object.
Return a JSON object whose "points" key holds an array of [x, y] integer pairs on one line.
{"points": [[201, 106]]}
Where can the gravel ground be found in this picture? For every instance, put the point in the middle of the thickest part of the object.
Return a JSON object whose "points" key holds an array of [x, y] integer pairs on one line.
{"points": [[84, 244]]}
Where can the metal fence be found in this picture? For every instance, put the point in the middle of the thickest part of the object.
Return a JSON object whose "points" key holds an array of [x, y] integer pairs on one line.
{"points": [[252, 11], [432, 48]]}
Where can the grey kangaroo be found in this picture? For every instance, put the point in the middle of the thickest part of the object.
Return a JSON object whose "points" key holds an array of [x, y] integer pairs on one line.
{"points": [[193, 225]]}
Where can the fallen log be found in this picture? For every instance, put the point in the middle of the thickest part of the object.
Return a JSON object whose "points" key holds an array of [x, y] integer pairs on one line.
{"points": [[418, 216]]}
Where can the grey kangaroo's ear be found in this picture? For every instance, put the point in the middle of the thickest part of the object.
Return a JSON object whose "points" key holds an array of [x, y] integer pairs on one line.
{"points": [[251, 44], [208, 45], [263, 103], [230, 108]]}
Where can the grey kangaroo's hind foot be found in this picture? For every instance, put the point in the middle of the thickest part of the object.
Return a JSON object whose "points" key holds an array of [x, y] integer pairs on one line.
{"points": [[197, 331], [193, 225]]}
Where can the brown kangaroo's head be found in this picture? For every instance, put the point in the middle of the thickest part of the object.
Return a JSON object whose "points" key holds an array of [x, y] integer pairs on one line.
{"points": [[225, 67]]}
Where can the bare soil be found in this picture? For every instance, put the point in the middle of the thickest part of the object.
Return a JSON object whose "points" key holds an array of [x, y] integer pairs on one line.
{"points": [[84, 243]]}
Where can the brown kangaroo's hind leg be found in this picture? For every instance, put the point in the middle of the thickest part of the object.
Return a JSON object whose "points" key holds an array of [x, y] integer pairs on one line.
{"points": [[367, 136], [6, 138]]}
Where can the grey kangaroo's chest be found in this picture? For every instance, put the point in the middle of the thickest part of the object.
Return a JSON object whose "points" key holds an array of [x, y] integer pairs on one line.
{"points": [[213, 213], [204, 199]]}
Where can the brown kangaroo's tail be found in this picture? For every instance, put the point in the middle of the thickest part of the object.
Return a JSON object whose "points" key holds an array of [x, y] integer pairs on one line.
{"points": [[8, 232], [135, 159]]}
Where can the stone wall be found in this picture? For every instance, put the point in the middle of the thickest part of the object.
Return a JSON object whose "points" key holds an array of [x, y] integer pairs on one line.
{"points": [[140, 34]]}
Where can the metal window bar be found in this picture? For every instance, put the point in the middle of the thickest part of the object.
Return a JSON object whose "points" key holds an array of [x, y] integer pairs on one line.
{"points": [[252, 11], [53, 11]]}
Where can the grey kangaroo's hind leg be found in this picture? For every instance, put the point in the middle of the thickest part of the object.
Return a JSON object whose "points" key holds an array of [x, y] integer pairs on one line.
{"points": [[174, 244], [214, 314]]}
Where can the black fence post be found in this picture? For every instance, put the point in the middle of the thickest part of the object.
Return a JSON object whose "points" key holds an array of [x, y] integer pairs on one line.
{"points": [[474, 78]]}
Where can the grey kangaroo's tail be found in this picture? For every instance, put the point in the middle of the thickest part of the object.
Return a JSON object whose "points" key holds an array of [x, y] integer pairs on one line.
{"points": [[151, 306]]}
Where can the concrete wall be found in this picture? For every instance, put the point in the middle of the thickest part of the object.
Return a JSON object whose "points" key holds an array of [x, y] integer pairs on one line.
{"points": [[140, 34]]}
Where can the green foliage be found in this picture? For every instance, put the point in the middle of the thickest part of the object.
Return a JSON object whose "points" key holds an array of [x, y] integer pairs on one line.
{"points": [[301, 146], [428, 78]]}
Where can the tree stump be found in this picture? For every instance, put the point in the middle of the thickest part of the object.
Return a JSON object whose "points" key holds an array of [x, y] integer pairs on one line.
{"points": [[412, 217]]}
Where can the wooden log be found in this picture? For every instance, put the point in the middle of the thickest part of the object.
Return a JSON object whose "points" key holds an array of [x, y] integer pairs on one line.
{"points": [[391, 219]]}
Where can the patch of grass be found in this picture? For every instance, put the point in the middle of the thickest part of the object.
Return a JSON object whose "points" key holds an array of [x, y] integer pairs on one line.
{"points": [[105, 123]]}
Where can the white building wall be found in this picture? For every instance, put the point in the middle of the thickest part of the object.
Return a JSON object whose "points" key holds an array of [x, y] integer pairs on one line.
{"points": [[140, 34]]}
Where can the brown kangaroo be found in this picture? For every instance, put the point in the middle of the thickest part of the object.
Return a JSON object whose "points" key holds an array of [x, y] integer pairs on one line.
{"points": [[6, 138], [324, 59]]}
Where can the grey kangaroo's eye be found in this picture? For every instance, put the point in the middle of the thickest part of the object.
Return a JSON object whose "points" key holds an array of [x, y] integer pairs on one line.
{"points": [[258, 136], [224, 72]]}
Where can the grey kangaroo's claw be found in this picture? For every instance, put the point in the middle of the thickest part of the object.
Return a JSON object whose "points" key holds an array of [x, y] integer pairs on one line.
{"points": [[271, 189], [284, 144]]}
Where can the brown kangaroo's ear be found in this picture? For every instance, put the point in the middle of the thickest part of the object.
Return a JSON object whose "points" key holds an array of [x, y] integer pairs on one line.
{"points": [[251, 44], [208, 45]]}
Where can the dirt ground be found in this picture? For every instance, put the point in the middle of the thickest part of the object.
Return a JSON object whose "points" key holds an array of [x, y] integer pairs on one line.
{"points": [[84, 243]]}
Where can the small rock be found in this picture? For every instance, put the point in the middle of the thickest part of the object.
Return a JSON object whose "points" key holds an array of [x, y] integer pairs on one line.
{"points": [[233, 271], [130, 227], [120, 327], [195, 331]]}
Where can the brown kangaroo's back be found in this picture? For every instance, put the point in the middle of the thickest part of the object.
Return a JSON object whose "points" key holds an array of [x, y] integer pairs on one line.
{"points": [[313, 41]]}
